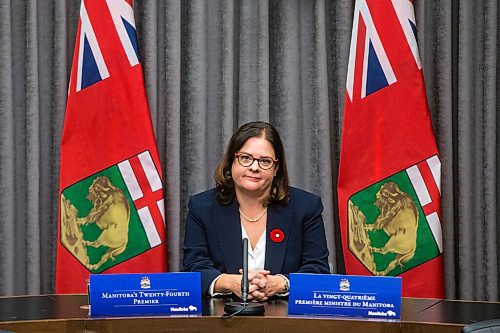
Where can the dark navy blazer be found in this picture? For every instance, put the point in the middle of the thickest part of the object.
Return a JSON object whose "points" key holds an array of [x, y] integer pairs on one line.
{"points": [[212, 243]]}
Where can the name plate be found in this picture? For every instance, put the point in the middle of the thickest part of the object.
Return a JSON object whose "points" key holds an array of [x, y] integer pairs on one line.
{"points": [[345, 295], [145, 294]]}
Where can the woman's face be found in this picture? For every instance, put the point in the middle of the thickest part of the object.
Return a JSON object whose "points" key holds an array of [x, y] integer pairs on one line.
{"points": [[253, 179]]}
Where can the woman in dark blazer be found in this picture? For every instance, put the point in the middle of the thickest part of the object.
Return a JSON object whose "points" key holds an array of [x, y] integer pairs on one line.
{"points": [[252, 200]]}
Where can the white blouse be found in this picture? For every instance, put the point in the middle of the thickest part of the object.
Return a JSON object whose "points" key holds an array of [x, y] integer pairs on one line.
{"points": [[256, 258]]}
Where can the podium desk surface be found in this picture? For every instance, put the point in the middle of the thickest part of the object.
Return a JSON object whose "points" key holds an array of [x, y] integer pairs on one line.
{"points": [[67, 313]]}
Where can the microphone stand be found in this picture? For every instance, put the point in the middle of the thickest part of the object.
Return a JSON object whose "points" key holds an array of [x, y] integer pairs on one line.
{"points": [[243, 308]]}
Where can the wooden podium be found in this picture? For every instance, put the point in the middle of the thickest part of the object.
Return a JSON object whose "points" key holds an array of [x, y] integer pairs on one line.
{"points": [[67, 313]]}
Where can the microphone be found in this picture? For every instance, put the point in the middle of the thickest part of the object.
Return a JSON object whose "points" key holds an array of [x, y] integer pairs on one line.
{"points": [[244, 278], [243, 308]]}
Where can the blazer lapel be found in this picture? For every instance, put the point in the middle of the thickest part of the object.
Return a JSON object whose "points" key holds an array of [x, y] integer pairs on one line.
{"points": [[228, 227], [279, 219]]}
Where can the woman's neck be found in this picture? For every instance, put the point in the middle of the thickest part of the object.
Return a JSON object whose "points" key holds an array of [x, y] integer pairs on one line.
{"points": [[251, 203]]}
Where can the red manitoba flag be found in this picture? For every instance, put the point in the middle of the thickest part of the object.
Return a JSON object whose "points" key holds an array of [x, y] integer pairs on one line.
{"points": [[389, 175], [111, 217]]}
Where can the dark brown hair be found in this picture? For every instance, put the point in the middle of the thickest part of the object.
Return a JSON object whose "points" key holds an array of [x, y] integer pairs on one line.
{"points": [[223, 179]]}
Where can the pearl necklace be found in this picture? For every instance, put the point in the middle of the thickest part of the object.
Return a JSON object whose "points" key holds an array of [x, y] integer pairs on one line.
{"points": [[253, 220]]}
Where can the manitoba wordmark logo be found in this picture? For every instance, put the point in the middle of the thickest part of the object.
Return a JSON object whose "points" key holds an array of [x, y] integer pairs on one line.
{"points": [[394, 224], [115, 214]]}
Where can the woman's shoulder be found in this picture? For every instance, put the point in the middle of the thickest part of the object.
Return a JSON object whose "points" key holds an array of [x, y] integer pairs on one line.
{"points": [[203, 199], [299, 195], [304, 203]]}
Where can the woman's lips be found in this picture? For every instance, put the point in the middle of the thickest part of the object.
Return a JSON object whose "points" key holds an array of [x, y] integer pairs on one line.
{"points": [[255, 179]]}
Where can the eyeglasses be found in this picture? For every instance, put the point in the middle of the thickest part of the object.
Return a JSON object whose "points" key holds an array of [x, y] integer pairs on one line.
{"points": [[247, 160]]}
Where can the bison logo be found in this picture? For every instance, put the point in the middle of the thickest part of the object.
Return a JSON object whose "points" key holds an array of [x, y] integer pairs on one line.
{"points": [[114, 214], [387, 229], [399, 220], [110, 213]]}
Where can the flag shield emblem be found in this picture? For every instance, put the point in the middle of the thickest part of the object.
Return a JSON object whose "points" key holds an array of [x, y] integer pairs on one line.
{"points": [[392, 226], [99, 213]]}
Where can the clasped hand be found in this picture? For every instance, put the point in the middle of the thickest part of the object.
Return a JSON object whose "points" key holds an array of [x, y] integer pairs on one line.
{"points": [[262, 285]]}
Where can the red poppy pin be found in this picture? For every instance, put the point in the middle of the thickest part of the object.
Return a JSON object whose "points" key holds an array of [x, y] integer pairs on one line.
{"points": [[277, 235]]}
